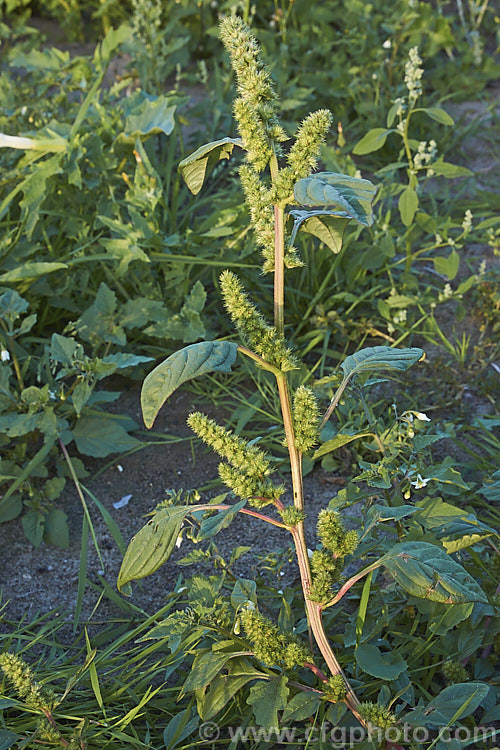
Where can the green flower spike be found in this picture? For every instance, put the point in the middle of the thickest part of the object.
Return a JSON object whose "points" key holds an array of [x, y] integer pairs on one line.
{"points": [[258, 335], [336, 688], [305, 419], [376, 715], [270, 646]]}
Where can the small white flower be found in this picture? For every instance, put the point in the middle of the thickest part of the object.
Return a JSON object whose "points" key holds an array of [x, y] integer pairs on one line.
{"points": [[420, 482], [119, 468], [387, 44], [178, 541], [423, 417], [4, 355]]}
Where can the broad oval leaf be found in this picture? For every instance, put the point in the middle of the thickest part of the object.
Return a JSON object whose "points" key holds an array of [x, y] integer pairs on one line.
{"points": [[386, 666], [437, 114], [328, 227], [408, 204], [196, 167], [426, 571], [351, 194], [205, 667], [452, 704], [187, 363], [152, 545], [372, 141], [342, 438], [380, 358]]}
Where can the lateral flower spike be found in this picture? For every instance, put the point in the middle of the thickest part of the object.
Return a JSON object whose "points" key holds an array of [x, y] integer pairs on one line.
{"points": [[258, 335], [305, 418]]}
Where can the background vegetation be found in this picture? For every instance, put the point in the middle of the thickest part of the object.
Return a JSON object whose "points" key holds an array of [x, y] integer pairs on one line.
{"points": [[107, 263]]}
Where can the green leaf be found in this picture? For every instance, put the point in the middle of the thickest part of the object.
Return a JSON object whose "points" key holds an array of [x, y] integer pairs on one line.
{"points": [[56, 530], [302, 706], [206, 667], [372, 141], [31, 271], [99, 321], [447, 266], [380, 358], [381, 513], [99, 435], [453, 703], [426, 571], [152, 545], [244, 590], [187, 363], [180, 726], [155, 116], [437, 114], [351, 194], [198, 165], [224, 687], [408, 204], [326, 226], [454, 527], [267, 698], [450, 171], [211, 526], [387, 666], [33, 522], [123, 359], [10, 508], [7, 739], [337, 442]]}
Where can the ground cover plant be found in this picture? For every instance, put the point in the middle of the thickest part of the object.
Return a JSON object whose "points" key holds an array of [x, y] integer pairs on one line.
{"points": [[399, 266]]}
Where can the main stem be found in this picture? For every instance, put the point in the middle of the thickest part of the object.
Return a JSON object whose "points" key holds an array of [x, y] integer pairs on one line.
{"points": [[313, 609]]}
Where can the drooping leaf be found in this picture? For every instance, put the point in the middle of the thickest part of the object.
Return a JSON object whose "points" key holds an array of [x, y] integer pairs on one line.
{"points": [[381, 513], [372, 141], [196, 167], [267, 698], [152, 545], [380, 358], [100, 435], [187, 363], [386, 666], [426, 571], [211, 526], [328, 227], [351, 194], [453, 703], [437, 114]]}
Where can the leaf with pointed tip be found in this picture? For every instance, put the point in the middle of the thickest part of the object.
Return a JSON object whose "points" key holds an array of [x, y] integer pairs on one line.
{"points": [[351, 194], [372, 141], [198, 165], [327, 226], [426, 571], [380, 358], [152, 545], [187, 363], [453, 703]]}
